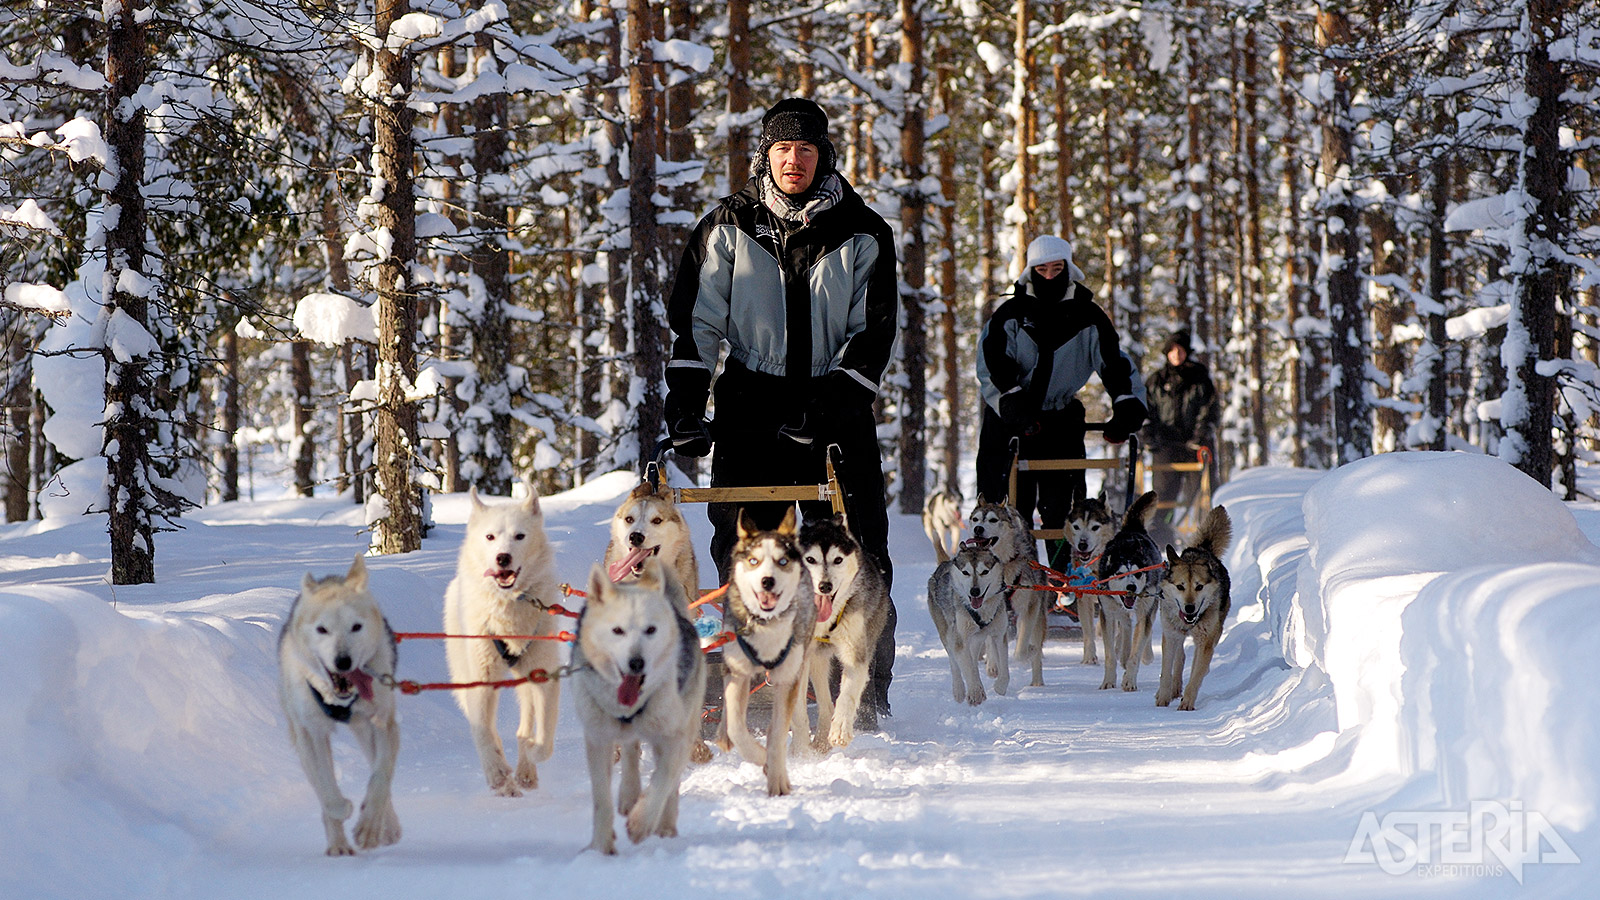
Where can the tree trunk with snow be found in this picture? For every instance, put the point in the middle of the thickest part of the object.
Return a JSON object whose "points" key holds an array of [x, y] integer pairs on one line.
{"points": [[1253, 252], [648, 314], [913, 273], [18, 399], [398, 525], [130, 426], [950, 289], [1540, 277], [1352, 415], [303, 419]]}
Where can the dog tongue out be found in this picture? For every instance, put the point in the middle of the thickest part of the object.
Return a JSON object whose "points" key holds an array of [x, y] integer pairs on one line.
{"points": [[623, 567], [628, 691], [362, 681], [824, 607]]}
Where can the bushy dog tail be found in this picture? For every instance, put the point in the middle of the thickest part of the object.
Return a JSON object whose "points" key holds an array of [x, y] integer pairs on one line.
{"points": [[1138, 515], [1216, 532]]}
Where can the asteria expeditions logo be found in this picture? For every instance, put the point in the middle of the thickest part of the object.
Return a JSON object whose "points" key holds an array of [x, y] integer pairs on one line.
{"points": [[1489, 839]]}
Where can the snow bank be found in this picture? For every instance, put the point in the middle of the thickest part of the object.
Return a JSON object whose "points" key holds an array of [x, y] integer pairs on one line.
{"points": [[1451, 602]]}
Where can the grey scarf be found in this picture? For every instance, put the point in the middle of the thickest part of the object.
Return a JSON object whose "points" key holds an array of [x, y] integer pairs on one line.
{"points": [[803, 210]]}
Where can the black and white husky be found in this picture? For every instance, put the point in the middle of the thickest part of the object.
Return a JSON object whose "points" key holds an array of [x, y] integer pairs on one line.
{"points": [[852, 609], [771, 611], [1131, 564]]}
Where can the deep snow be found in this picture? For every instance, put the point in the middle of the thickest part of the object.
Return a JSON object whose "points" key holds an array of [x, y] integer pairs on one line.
{"points": [[1412, 633]]}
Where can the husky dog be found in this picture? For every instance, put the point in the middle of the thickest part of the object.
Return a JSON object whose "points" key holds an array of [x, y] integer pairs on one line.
{"points": [[505, 580], [640, 677], [1131, 563], [1010, 538], [648, 523], [1194, 603], [941, 521], [772, 611], [336, 659], [1088, 529], [852, 608], [966, 601]]}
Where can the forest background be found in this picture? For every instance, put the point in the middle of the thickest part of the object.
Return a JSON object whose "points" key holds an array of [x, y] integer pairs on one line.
{"points": [[420, 246]]}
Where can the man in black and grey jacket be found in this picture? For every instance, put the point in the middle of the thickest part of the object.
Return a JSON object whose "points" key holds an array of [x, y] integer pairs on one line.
{"points": [[795, 276], [1036, 352]]}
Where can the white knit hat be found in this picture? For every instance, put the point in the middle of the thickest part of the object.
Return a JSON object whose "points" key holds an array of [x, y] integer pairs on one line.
{"points": [[1049, 248]]}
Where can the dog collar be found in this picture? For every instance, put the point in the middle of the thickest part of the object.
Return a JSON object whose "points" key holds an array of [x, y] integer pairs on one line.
{"points": [[974, 614], [628, 719], [334, 711]]}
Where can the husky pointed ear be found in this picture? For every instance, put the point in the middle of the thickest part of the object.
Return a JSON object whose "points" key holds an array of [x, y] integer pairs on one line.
{"points": [[531, 502], [307, 583], [1172, 556], [981, 501], [598, 583], [357, 576], [747, 527], [477, 502], [787, 526]]}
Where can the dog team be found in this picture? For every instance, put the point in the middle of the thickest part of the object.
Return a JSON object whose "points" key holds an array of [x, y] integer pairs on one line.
{"points": [[799, 600]]}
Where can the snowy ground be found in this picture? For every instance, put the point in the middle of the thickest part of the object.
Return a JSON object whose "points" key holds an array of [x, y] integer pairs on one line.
{"points": [[1411, 636]]}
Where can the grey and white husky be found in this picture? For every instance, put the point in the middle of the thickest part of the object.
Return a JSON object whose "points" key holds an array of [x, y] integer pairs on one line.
{"points": [[639, 678], [1010, 538], [336, 657], [1194, 603], [1131, 564], [772, 612], [1089, 527], [852, 609], [504, 585], [966, 599]]}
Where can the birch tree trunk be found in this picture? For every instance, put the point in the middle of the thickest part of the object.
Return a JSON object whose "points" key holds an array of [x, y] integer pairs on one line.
{"points": [[398, 524]]}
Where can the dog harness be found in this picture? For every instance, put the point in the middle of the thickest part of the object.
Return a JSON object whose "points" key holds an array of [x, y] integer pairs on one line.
{"points": [[769, 666], [510, 658], [333, 711]]}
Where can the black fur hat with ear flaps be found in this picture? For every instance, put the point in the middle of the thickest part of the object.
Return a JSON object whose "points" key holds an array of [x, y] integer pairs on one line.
{"points": [[796, 119]]}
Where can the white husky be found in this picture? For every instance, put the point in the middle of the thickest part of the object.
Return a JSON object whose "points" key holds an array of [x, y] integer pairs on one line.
{"points": [[336, 659], [640, 679], [505, 581]]}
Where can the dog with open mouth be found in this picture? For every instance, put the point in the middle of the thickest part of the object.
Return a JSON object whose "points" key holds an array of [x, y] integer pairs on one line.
{"points": [[639, 678], [772, 611], [648, 523], [1194, 604], [504, 586], [336, 659], [1001, 527], [1087, 530], [852, 609]]}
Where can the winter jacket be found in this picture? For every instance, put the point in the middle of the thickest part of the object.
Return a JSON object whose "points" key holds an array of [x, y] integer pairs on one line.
{"points": [[1048, 349], [1183, 406], [796, 301]]}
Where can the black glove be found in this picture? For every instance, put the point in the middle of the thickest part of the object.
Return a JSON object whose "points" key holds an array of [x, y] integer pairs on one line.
{"points": [[690, 436], [1016, 411], [1126, 417]]}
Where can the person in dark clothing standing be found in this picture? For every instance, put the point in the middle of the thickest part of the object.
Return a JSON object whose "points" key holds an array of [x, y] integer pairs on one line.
{"points": [[1183, 418], [795, 276], [1036, 352]]}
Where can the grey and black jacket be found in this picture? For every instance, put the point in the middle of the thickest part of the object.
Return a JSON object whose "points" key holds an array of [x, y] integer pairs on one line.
{"points": [[1048, 349], [798, 302]]}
